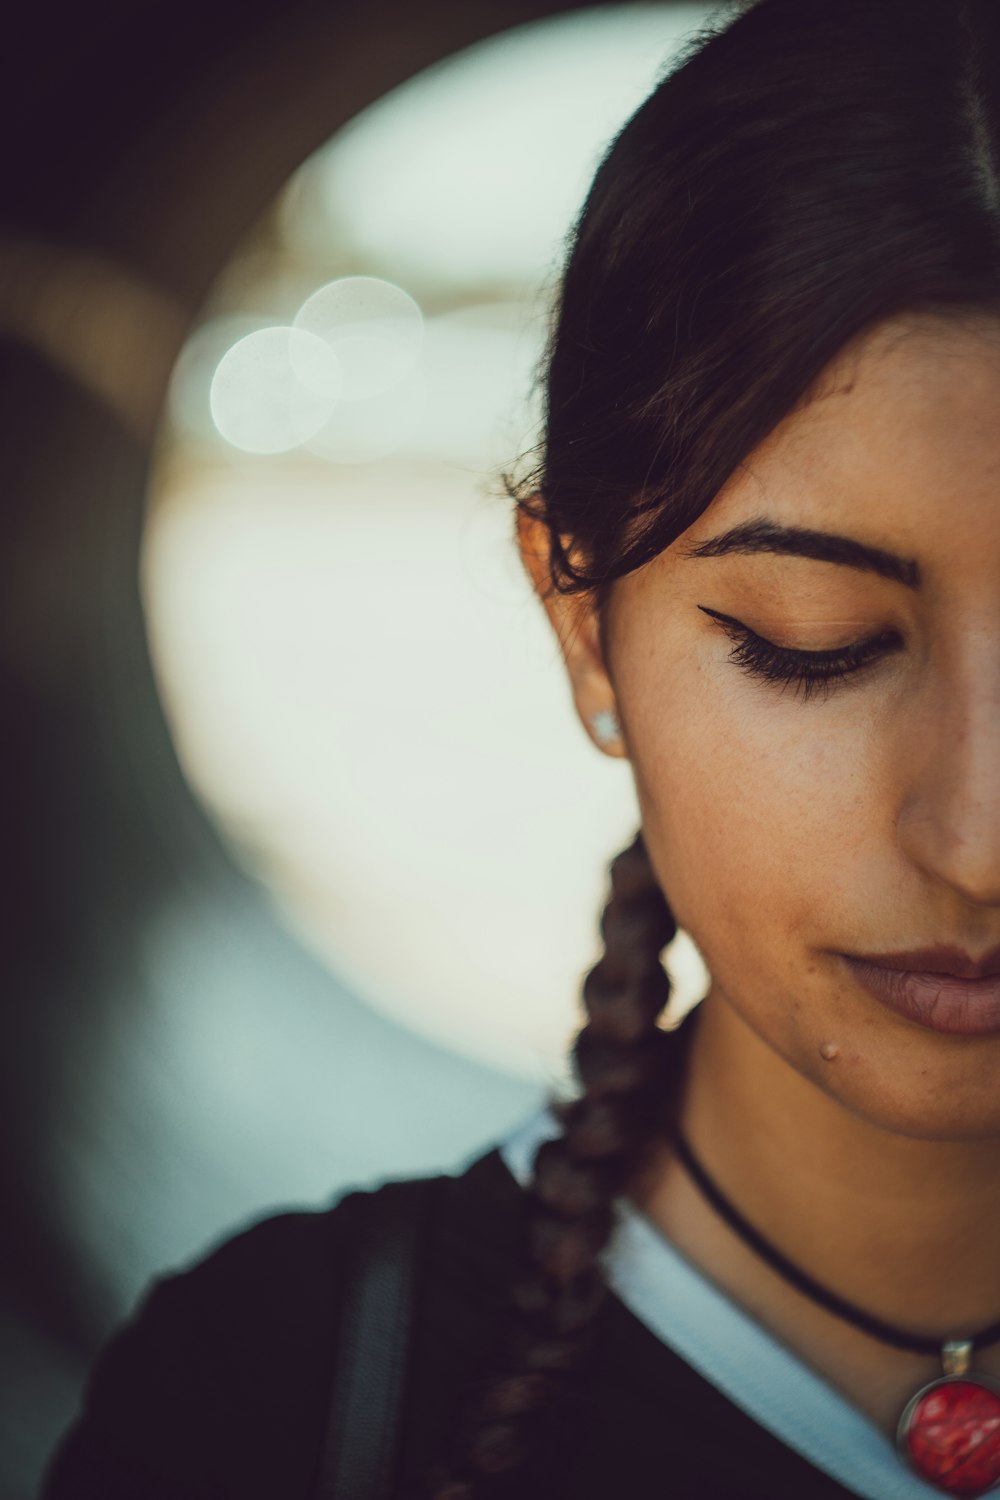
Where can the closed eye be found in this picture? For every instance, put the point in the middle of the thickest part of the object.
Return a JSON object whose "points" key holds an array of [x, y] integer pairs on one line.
{"points": [[808, 670]]}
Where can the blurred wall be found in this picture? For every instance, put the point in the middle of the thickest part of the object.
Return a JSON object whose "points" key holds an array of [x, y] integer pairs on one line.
{"points": [[141, 142]]}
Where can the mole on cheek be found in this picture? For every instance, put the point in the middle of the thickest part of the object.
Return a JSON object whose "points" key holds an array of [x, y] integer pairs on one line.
{"points": [[828, 1051]]}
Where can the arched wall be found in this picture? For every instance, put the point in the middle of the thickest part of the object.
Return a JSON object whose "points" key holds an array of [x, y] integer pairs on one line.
{"points": [[102, 270]]}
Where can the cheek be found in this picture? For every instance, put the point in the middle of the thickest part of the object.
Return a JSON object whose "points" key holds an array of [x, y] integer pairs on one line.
{"points": [[751, 811]]}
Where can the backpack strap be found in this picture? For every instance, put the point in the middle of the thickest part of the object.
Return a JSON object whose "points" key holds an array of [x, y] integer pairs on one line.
{"points": [[362, 1435]]}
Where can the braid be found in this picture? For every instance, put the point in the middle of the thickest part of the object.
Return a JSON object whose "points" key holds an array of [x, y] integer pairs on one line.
{"points": [[625, 1064]]}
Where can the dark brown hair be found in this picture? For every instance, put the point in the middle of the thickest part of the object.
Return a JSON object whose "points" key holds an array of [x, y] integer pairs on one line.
{"points": [[807, 170]]}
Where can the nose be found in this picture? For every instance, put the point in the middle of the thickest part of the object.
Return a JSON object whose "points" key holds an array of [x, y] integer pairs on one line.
{"points": [[949, 814]]}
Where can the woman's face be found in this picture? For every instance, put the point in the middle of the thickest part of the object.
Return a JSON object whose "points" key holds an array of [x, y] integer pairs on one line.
{"points": [[791, 823]]}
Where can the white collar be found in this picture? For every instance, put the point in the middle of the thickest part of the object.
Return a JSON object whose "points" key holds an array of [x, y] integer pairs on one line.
{"points": [[740, 1358]]}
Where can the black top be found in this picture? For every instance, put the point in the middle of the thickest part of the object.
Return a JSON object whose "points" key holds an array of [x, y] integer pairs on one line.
{"points": [[218, 1387]]}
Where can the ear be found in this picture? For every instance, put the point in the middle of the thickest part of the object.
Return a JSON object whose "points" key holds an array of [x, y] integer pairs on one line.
{"points": [[574, 619]]}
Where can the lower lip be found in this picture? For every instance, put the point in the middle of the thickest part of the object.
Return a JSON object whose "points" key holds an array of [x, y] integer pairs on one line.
{"points": [[939, 1002]]}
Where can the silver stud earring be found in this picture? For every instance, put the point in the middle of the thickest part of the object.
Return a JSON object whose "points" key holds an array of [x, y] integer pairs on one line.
{"points": [[605, 726]]}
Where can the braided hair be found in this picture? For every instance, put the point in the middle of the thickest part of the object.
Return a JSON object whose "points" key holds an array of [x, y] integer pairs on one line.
{"points": [[625, 1062], [807, 170]]}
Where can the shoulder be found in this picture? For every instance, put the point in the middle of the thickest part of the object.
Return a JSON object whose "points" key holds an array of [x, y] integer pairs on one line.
{"points": [[219, 1382], [280, 1271], [269, 1271]]}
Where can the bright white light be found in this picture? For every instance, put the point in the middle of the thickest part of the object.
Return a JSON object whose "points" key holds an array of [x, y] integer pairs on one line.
{"points": [[392, 733], [374, 327], [359, 432], [274, 389], [474, 170], [479, 364], [465, 403], [360, 681]]}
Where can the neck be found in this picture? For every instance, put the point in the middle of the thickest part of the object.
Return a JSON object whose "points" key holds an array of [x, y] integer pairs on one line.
{"points": [[904, 1228]]}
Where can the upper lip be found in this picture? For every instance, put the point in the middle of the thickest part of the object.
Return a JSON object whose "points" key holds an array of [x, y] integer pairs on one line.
{"points": [[936, 961]]}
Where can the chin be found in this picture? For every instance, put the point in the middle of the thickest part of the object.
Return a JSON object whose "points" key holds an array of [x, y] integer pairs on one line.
{"points": [[942, 1089]]}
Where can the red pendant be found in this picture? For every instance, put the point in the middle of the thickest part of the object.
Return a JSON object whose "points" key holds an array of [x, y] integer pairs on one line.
{"points": [[949, 1434]]}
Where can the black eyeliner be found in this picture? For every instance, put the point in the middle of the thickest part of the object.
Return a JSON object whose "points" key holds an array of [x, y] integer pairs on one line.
{"points": [[808, 670]]}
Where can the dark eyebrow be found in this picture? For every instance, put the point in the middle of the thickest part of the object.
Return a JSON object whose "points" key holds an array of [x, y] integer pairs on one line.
{"points": [[766, 536]]}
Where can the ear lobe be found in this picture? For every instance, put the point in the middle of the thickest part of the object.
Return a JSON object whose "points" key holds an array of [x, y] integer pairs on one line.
{"points": [[575, 621]]}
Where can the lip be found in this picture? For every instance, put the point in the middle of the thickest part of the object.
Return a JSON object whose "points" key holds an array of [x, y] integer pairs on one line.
{"points": [[939, 960], [941, 989]]}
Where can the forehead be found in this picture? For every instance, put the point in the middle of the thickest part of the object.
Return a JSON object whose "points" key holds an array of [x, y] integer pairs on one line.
{"points": [[898, 439]]}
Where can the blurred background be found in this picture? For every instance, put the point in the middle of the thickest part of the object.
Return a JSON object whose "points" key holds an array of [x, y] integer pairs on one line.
{"points": [[303, 846]]}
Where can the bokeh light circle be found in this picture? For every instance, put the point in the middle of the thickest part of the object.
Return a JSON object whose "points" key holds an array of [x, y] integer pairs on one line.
{"points": [[374, 327], [275, 388]]}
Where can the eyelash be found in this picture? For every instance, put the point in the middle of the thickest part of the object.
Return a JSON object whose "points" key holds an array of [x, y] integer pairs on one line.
{"points": [[809, 670]]}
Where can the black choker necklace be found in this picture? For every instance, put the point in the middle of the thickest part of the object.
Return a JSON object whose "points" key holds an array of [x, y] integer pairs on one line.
{"points": [[949, 1431]]}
